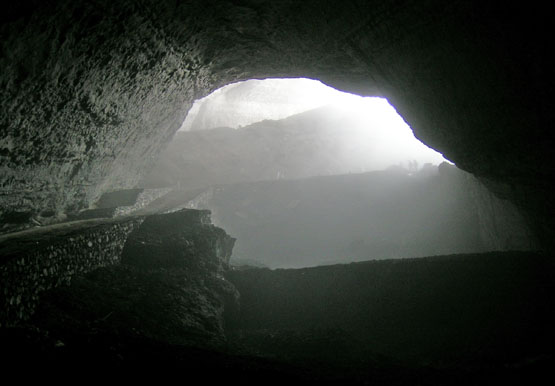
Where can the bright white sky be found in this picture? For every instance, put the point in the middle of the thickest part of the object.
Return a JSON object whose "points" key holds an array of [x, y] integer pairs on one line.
{"points": [[244, 103]]}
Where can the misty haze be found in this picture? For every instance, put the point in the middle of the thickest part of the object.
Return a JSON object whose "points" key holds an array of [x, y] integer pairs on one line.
{"points": [[288, 192], [302, 175]]}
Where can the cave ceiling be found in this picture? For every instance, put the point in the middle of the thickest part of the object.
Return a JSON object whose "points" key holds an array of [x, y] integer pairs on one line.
{"points": [[91, 91]]}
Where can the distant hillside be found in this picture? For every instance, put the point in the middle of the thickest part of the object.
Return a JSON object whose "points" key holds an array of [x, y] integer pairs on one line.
{"points": [[323, 141]]}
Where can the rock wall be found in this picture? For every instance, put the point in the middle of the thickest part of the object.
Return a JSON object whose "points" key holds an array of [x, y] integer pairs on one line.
{"points": [[91, 91], [180, 239], [146, 197], [104, 114], [161, 276], [169, 288], [502, 226], [36, 261]]}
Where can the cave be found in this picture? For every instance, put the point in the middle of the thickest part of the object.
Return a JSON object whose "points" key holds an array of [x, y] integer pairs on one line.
{"points": [[94, 91], [304, 175]]}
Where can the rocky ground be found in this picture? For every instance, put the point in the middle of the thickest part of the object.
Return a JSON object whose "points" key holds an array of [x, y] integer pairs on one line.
{"points": [[455, 320]]}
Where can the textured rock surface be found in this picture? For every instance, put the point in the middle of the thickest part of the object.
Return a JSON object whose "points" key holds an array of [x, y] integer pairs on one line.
{"points": [[158, 277], [185, 239], [168, 288], [35, 261], [91, 91], [500, 224]]}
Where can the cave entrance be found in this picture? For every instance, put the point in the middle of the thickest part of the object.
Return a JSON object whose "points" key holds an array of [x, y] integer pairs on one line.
{"points": [[302, 175], [367, 132]]}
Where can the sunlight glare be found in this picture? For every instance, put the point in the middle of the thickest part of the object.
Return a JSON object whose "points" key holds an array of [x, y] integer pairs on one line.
{"points": [[374, 131]]}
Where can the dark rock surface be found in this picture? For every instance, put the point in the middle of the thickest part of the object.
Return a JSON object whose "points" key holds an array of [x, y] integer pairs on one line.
{"points": [[328, 140], [146, 197], [34, 261], [88, 214], [184, 239], [177, 307], [169, 286], [91, 91], [468, 311], [164, 288], [452, 320]]}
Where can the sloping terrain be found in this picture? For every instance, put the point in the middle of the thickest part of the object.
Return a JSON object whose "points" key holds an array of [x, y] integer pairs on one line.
{"points": [[476, 310], [353, 217], [323, 141]]}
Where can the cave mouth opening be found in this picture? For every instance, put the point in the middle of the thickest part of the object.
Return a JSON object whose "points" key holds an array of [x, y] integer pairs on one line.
{"points": [[368, 132], [304, 175]]}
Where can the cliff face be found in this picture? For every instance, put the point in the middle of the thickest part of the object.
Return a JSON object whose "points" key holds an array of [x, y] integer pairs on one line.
{"points": [[91, 91]]}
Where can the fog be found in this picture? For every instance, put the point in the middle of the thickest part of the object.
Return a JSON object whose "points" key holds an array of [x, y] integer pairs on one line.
{"points": [[356, 217], [303, 175], [373, 135]]}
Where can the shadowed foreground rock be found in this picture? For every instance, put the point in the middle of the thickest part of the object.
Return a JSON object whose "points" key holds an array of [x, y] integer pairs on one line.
{"points": [[453, 320], [458, 310], [169, 286], [38, 260], [172, 294]]}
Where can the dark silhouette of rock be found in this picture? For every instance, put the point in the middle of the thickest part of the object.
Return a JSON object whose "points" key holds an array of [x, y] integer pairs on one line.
{"points": [[458, 310], [92, 91], [184, 239], [163, 280]]}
